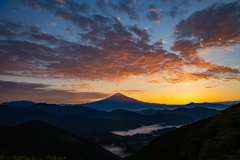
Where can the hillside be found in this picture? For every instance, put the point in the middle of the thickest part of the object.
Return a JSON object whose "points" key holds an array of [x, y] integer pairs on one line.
{"points": [[39, 139], [215, 138]]}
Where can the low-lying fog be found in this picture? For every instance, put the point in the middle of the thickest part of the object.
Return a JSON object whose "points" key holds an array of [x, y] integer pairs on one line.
{"points": [[143, 130], [117, 150]]}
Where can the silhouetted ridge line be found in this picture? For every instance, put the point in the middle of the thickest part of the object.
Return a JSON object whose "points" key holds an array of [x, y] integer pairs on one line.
{"points": [[216, 137], [40, 139]]}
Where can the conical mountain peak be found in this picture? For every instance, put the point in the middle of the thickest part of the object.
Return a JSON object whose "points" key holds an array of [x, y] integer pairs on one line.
{"points": [[119, 97], [119, 100], [118, 94]]}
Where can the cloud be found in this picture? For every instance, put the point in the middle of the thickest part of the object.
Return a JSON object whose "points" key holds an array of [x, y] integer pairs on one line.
{"points": [[43, 93], [176, 8], [147, 28], [67, 28], [215, 26], [212, 86], [52, 24], [153, 82], [130, 91], [44, 5], [124, 6], [107, 50], [56, 5], [153, 14], [80, 86]]}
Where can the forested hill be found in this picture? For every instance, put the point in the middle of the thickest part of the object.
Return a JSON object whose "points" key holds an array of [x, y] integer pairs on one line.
{"points": [[39, 139], [216, 138]]}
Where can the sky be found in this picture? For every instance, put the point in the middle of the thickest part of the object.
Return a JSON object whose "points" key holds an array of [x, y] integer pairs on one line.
{"points": [[158, 51]]}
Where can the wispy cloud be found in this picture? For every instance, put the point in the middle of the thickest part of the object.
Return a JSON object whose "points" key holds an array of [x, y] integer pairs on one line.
{"points": [[206, 29], [43, 93], [124, 6], [212, 86], [80, 86], [130, 91], [153, 13]]}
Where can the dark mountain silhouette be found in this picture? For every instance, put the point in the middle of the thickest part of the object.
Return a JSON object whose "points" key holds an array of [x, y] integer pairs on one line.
{"points": [[196, 113], [117, 101], [217, 106], [72, 123], [57, 110], [84, 116], [39, 139], [53, 114], [23, 103], [120, 101], [169, 119], [85, 121], [118, 97], [216, 137]]}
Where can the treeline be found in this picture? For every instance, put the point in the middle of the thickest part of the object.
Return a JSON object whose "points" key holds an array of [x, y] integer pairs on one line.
{"points": [[14, 157]]}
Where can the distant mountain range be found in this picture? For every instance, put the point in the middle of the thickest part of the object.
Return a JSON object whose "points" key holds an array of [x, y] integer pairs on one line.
{"points": [[120, 101], [86, 121], [65, 116], [39, 139], [23, 103], [80, 118], [121, 113], [216, 137]]}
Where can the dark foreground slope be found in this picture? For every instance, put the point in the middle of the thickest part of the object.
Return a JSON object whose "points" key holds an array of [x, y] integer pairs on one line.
{"points": [[216, 138], [39, 139]]}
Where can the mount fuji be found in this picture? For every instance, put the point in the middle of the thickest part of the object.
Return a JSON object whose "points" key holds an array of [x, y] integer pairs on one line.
{"points": [[120, 101]]}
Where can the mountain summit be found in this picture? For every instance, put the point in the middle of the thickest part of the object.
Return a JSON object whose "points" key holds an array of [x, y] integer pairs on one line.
{"points": [[119, 97], [120, 101]]}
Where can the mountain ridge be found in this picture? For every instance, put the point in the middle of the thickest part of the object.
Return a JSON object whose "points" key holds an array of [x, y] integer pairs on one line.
{"points": [[120, 101], [39, 139], [215, 137]]}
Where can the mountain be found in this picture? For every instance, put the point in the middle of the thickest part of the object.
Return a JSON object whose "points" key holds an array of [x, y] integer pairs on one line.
{"points": [[86, 118], [56, 109], [73, 123], [216, 137], [169, 119], [40, 139], [218, 106], [120, 101], [22, 103], [196, 113]]}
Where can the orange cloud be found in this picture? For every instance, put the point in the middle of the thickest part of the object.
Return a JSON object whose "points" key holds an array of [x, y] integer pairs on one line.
{"points": [[130, 91], [153, 81], [212, 86], [81, 86]]}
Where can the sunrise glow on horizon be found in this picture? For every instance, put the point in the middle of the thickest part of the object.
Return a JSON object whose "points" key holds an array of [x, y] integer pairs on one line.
{"points": [[157, 51]]}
